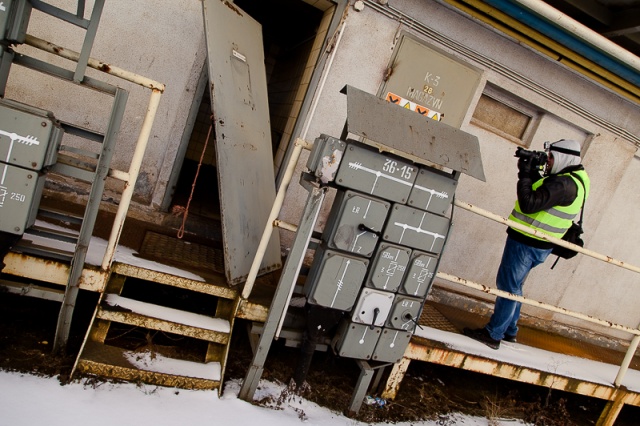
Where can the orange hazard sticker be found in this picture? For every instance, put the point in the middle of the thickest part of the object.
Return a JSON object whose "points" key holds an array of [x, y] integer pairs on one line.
{"points": [[407, 104], [394, 99]]}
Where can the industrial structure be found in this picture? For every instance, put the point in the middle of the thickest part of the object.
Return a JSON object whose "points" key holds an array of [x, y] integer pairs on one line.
{"points": [[347, 171]]}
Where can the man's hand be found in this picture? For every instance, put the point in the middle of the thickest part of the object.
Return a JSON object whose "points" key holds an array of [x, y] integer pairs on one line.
{"points": [[524, 165]]}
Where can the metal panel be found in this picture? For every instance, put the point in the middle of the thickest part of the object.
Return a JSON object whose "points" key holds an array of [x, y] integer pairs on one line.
{"points": [[373, 307], [416, 228], [355, 222], [433, 191], [29, 136], [335, 279], [20, 192], [404, 313], [410, 135], [356, 340], [384, 176], [419, 275], [391, 345], [239, 103], [390, 263], [430, 82]]}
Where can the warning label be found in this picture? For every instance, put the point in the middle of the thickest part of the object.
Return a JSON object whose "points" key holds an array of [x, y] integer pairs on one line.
{"points": [[407, 104]]}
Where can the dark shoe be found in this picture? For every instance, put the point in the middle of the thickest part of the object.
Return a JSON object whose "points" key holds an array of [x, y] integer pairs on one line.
{"points": [[511, 339], [482, 335]]}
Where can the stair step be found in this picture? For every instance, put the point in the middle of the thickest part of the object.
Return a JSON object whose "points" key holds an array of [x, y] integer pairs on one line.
{"points": [[160, 277], [148, 367], [33, 290], [54, 233], [141, 314], [62, 216], [27, 246]]}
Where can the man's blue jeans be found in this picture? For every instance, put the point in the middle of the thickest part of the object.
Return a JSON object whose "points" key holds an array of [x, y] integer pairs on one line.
{"points": [[517, 260]]}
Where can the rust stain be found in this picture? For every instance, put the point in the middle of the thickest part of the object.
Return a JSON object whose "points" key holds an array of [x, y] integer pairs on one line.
{"points": [[104, 67], [232, 7]]}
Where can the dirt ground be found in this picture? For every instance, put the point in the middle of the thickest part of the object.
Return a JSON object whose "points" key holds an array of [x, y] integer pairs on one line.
{"points": [[27, 329]]}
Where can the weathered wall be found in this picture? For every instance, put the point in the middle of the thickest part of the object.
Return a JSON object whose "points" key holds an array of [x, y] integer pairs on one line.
{"points": [[164, 43]]}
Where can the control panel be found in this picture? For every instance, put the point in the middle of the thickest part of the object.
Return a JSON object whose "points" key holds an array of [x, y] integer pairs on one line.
{"points": [[381, 245]]}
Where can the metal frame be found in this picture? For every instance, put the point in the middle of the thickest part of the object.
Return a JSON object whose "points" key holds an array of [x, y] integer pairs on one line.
{"points": [[280, 301]]}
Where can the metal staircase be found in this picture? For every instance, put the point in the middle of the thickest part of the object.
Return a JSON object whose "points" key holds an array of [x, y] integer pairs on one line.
{"points": [[198, 362]]}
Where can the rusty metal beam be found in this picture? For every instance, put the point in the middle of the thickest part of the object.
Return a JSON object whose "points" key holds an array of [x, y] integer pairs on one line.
{"points": [[428, 351]]}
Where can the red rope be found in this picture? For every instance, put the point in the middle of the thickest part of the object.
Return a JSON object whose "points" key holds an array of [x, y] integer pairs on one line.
{"points": [[193, 185]]}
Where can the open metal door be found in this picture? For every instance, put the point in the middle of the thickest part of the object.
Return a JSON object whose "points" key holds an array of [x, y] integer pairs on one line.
{"points": [[238, 87]]}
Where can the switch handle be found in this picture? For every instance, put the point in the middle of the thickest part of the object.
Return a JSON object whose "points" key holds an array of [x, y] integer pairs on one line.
{"points": [[363, 227]]}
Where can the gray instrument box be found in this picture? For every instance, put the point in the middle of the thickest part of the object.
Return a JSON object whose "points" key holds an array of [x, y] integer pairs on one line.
{"points": [[404, 313], [388, 267], [335, 279], [416, 228], [355, 222], [325, 157], [20, 193], [29, 137], [419, 275], [433, 191], [355, 340], [375, 173], [372, 307], [391, 345]]}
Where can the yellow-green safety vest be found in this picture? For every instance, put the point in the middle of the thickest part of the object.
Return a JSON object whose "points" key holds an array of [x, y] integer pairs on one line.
{"points": [[556, 220]]}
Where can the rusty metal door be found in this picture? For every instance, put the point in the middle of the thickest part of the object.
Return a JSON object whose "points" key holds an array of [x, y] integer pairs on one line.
{"points": [[238, 87]]}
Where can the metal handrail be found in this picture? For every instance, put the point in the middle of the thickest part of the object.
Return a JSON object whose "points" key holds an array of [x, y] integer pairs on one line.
{"points": [[633, 345], [130, 177]]}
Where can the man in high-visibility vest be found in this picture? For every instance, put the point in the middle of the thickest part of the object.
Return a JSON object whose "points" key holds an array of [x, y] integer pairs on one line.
{"points": [[547, 203]]}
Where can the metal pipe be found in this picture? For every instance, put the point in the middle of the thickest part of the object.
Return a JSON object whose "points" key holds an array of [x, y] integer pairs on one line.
{"points": [[558, 241], [323, 80], [275, 210], [522, 299], [285, 225], [93, 63], [316, 97], [560, 19], [627, 360], [129, 186]]}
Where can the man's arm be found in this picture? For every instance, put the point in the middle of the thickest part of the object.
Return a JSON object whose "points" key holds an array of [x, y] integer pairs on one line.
{"points": [[554, 191]]}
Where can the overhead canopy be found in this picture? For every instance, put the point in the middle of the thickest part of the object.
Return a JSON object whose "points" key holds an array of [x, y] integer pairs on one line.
{"points": [[406, 133]]}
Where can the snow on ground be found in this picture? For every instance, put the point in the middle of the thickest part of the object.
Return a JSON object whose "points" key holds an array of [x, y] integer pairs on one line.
{"points": [[27, 400]]}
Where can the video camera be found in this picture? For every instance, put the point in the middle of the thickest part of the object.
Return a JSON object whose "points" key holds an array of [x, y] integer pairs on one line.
{"points": [[538, 158]]}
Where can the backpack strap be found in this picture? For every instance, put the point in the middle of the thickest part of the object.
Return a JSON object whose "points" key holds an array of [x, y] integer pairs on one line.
{"points": [[584, 198]]}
